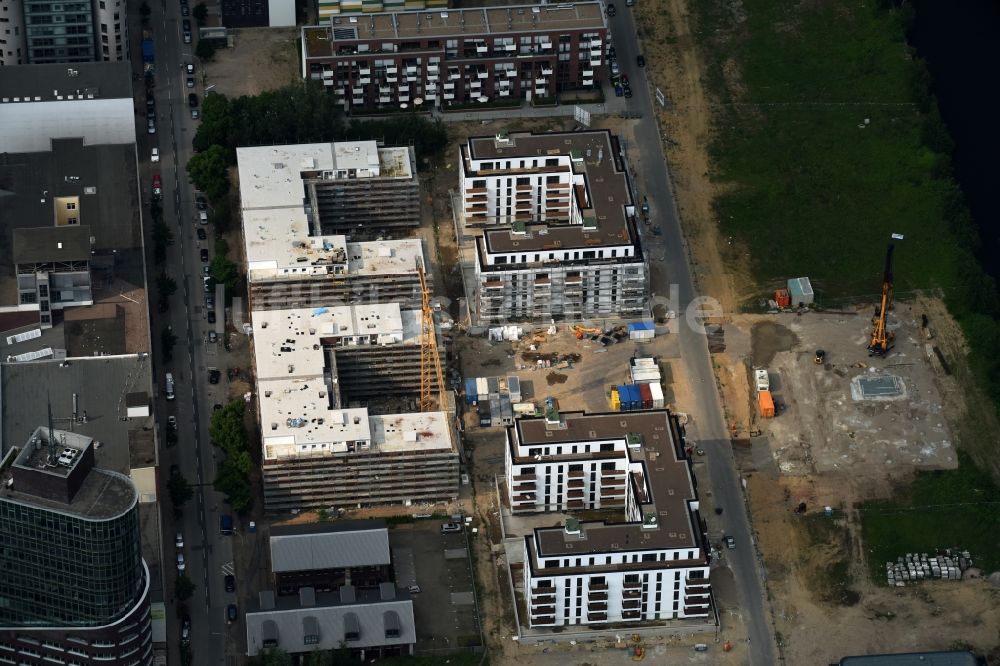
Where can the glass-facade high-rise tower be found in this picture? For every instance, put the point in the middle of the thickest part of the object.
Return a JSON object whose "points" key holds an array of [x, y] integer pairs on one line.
{"points": [[72, 577]]}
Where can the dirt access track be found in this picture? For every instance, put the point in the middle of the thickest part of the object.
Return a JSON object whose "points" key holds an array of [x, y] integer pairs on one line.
{"points": [[827, 447]]}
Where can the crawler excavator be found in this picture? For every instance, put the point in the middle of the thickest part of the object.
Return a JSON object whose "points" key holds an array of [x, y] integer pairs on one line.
{"points": [[882, 337]]}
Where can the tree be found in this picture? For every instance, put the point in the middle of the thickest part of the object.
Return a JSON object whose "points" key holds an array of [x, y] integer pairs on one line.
{"points": [[167, 342], [183, 587], [227, 430], [224, 271], [180, 490], [235, 485], [200, 13], [165, 285], [209, 172], [205, 50], [187, 656]]}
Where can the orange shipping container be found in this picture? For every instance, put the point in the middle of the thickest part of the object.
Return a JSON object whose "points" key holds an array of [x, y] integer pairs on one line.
{"points": [[766, 404]]}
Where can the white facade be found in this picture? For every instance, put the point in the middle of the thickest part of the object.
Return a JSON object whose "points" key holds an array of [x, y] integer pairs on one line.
{"points": [[553, 216], [111, 26], [647, 561]]}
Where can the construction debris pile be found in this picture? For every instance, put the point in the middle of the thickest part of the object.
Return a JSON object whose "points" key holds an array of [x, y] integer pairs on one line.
{"points": [[948, 565]]}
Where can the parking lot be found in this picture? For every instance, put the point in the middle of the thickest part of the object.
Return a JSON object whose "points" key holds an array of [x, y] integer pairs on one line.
{"points": [[445, 608]]}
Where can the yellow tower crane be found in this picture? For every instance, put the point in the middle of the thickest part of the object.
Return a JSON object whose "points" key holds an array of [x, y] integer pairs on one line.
{"points": [[429, 355]]}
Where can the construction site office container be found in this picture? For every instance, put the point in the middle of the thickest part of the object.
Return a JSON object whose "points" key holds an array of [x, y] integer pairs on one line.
{"points": [[641, 331], [496, 419], [643, 362], [616, 403], [766, 404], [506, 411], [494, 386], [482, 389], [646, 396], [800, 291], [514, 388], [484, 414], [657, 392], [643, 375], [630, 398], [524, 408], [471, 393]]}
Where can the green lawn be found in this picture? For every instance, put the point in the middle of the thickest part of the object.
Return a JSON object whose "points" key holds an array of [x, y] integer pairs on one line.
{"points": [[808, 190], [942, 509]]}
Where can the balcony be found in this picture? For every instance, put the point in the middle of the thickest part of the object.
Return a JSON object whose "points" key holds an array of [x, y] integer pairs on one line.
{"points": [[632, 584], [597, 617], [631, 615], [525, 477], [696, 582], [631, 603], [575, 504], [542, 610], [543, 620], [364, 81], [524, 487], [597, 597], [598, 587]]}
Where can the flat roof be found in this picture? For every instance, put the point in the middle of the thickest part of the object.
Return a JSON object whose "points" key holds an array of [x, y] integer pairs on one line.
{"points": [[608, 200], [99, 180], [100, 385], [278, 239], [944, 658], [101, 495], [323, 40], [65, 82], [423, 431], [272, 176], [664, 472], [51, 244]]}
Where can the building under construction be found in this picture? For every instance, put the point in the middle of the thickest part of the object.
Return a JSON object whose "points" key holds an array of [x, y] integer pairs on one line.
{"points": [[315, 366], [354, 188], [554, 219]]}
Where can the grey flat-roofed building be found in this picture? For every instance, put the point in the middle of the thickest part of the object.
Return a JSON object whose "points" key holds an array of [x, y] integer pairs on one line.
{"points": [[329, 546], [90, 101], [42, 245], [947, 658], [100, 386], [368, 625]]}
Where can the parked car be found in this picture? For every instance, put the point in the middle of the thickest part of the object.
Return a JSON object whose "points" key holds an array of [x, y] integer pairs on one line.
{"points": [[189, 82], [210, 302], [414, 589], [201, 234], [186, 628], [150, 126], [172, 422], [204, 255], [449, 528], [213, 376], [611, 11], [211, 316], [187, 37], [190, 68], [157, 186], [180, 562], [640, 60], [213, 337], [195, 114], [201, 203], [730, 542], [203, 217], [186, 25], [185, 10], [192, 100], [628, 92], [154, 155], [230, 581], [619, 91], [179, 540], [231, 614]]}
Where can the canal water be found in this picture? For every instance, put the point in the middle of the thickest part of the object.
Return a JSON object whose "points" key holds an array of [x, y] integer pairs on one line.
{"points": [[959, 41]]}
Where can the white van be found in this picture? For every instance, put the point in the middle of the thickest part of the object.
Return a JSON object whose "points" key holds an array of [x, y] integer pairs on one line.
{"points": [[170, 386], [203, 217]]}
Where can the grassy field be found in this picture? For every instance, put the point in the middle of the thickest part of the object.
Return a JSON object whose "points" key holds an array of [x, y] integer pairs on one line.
{"points": [[821, 147], [942, 509]]}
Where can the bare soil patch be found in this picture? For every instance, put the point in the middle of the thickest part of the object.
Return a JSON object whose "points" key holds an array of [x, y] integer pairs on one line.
{"points": [[259, 60]]}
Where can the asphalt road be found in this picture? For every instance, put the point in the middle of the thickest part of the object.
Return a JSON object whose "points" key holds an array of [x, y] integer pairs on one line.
{"points": [[669, 267], [206, 551]]}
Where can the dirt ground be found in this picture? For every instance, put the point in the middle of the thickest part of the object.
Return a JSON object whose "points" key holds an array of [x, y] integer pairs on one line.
{"points": [[259, 60]]}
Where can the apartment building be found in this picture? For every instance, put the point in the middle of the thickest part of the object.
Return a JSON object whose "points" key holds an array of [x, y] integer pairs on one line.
{"points": [[647, 563], [74, 584], [462, 56], [39, 31], [352, 188], [553, 217], [315, 368]]}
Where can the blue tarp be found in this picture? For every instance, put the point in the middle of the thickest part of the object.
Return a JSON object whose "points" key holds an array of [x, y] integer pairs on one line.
{"points": [[641, 326]]}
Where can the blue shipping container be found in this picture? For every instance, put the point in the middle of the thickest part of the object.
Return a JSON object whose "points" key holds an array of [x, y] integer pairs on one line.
{"points": [[471, 394]]}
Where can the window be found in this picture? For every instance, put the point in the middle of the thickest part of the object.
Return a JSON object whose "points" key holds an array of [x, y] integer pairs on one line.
{"points": [[71, 206]]}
